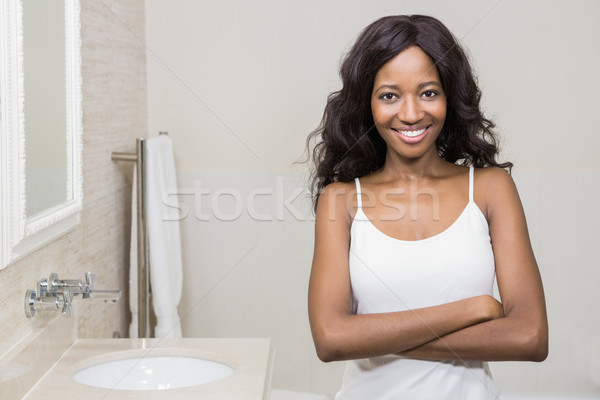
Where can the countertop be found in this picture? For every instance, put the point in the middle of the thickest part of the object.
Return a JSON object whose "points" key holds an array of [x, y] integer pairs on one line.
{"points": [[250, 358]]}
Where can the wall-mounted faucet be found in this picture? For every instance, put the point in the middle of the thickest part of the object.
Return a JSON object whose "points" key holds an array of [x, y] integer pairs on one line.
{"points": [[57, 294]]}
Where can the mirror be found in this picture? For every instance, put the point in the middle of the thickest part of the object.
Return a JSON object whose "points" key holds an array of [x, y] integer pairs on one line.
{"points": [[44, 57], [40, 118]]}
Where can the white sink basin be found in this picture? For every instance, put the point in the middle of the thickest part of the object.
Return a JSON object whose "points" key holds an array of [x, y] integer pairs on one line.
{"points": [[247, 361], [152, 373]]}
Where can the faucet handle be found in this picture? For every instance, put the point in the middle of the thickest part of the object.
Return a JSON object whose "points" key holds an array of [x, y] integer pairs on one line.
{"points": [[67, 309], [42, 286], [52, 283], [30, 297], [55, 285], [90, 279], [35, 302]]}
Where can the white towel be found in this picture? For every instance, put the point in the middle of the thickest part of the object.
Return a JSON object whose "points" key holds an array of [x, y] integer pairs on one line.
{"points": [[162, 223]]}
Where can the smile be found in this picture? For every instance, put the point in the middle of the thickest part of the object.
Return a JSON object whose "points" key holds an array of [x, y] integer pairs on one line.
{"points": [[411, 133]]}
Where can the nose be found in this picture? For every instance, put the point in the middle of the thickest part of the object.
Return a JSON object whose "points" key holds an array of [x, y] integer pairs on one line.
{"points": [[409, 111]]}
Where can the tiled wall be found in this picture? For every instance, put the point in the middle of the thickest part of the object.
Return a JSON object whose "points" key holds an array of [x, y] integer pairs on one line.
{"points": [[114, 114]]}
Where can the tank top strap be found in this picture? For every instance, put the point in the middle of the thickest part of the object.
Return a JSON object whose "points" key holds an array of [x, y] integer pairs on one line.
{"points": [[358, 194], [471, 169]]}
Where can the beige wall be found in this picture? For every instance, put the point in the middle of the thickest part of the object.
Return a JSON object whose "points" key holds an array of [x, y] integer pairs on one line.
{"points": [[114, 114], [240, 84]]}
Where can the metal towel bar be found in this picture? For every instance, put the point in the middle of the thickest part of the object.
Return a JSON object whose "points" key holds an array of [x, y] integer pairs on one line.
{"points": [[143, 267]]}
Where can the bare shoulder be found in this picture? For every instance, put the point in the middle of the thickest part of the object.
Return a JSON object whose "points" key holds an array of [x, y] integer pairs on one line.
{"points": [[494, 188], [339, 187], [337, 199], [337, 192], [492, 177]]}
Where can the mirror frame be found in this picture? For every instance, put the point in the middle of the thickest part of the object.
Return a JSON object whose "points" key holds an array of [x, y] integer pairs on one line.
{"points": [[21, 234]]}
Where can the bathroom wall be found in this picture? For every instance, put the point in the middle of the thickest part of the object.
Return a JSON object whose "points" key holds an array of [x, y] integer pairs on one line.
{"points": [[114, 114], [239, 85]]}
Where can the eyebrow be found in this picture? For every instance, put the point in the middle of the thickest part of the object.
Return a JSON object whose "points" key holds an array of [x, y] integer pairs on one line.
{"points": [[419, 86]]}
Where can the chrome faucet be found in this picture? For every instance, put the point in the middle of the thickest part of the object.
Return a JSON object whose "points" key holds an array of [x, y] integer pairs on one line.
{"points": [[57, 294]]}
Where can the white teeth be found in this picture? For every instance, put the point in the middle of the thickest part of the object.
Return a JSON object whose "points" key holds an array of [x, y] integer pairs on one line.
{"points": [[411, 133]]}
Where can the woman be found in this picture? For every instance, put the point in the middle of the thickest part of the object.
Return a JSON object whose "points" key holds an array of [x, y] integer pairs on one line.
{"points": [[414, 219]]}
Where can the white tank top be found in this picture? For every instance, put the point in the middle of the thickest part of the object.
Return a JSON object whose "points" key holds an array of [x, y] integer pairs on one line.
{"points": [[389, 274]]}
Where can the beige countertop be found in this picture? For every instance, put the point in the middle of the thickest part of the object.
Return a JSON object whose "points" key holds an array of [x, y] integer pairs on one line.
{"points": [[250, 358]]}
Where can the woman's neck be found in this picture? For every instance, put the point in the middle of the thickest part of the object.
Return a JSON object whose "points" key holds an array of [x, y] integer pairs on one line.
{"points": [[396, 167]]}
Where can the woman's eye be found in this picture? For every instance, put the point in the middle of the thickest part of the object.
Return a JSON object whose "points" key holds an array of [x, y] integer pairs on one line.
{"points": [[430, 93], [387, 96]]}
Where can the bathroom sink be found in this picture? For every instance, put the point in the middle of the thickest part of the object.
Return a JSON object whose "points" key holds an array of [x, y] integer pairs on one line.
{"points": [[188, 368], [152, 373]]}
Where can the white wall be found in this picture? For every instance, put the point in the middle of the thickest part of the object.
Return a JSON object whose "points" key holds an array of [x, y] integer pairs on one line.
{"points": [[239, 85]]}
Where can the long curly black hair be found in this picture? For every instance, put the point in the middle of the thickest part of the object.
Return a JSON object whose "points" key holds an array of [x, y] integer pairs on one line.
{"points": [[348, 144]]}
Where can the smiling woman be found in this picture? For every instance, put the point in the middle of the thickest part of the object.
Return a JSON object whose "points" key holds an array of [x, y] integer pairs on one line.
{"points": [[407, 296]]}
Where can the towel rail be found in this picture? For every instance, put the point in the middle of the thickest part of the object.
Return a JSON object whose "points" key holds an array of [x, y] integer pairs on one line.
{"points": [[143, 271]]}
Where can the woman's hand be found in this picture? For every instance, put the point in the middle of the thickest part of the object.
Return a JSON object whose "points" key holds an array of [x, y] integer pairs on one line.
{"points": [[522, 333]]}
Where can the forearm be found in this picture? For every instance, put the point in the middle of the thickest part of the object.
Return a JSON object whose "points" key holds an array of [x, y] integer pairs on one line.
{"points": [[368, 335], [504, 339]]}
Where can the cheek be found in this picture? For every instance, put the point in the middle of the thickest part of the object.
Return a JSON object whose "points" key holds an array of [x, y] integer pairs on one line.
{"points": [[443, 109], [442, 113], [438, 111], [381, 113]]}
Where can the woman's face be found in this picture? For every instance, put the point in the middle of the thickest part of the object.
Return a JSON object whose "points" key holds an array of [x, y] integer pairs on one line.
{"points": [[409, 104]]}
